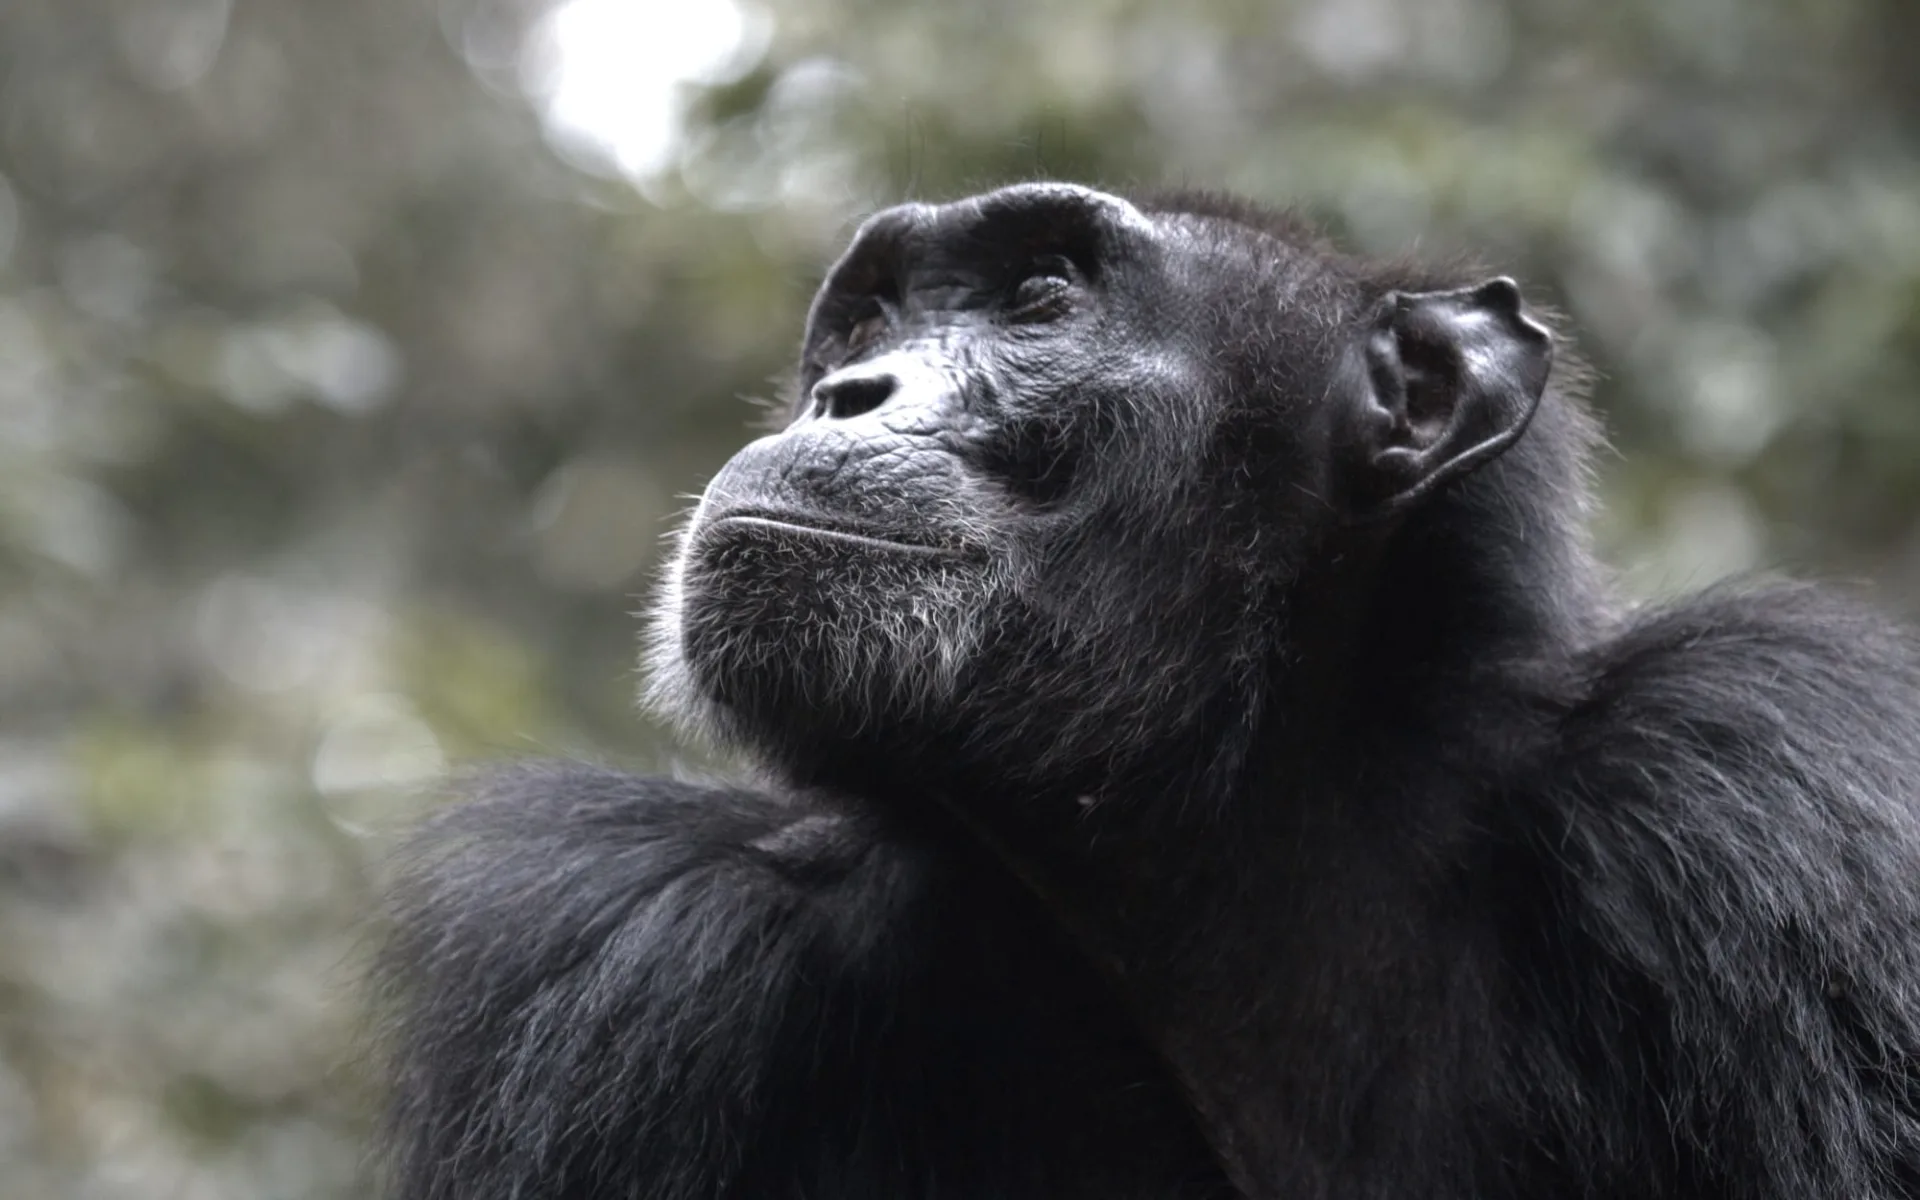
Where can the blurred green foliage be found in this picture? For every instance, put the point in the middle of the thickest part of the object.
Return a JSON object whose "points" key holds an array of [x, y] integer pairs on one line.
{"points": [[346, 390]]}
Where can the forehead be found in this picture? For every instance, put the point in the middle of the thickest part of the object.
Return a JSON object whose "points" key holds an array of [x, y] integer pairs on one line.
{"points": [[1003, 226], [1186, 259], [1028, 209]]}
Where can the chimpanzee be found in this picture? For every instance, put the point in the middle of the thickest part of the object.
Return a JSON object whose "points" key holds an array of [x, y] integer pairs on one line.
{"points": [[1195, 755]]}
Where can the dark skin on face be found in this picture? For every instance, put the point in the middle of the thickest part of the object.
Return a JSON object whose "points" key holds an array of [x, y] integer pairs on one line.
{"points": [[1002, 402], [1184, 707]]}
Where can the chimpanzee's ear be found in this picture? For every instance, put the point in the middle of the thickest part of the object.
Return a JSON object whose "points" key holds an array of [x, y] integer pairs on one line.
{"points": [[1444, 382]]}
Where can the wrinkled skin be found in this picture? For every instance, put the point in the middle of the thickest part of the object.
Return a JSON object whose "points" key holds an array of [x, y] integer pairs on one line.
{"points": [[964, 369], [1008, 408]]}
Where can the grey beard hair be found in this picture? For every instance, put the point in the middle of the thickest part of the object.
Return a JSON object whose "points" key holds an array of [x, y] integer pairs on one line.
{"points": [[894, 642]]}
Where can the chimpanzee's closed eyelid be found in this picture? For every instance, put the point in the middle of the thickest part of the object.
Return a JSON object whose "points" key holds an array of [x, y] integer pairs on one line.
{"points": [[1044, 290]]}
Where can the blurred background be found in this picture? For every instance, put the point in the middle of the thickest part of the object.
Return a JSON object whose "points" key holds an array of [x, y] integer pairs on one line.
{"points": [[355, 354]]}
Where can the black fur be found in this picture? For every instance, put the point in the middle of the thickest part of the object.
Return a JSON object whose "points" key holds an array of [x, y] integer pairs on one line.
{"points": [[645, 988], [1213, 765]]}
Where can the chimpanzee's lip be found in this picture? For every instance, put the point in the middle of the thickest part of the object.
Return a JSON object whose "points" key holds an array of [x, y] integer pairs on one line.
{"points": [[813, 525]]}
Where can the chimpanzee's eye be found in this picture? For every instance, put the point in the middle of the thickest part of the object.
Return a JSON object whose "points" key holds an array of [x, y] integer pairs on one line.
{"points": [[1045, 292]]}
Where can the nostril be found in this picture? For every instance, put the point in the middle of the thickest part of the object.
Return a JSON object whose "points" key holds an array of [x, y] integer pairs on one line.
{"points": [[851, 395]]}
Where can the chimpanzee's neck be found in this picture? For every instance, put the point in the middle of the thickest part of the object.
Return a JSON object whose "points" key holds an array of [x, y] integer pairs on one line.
{"points": [[1316, 963], [1314, 955], [1311, 944], [1313, 952]]}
